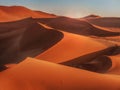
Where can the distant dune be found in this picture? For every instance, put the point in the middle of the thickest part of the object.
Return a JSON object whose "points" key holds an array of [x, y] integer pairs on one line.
{"points": [[12, 13], [92, 16], [76, 26], [112, 23]]}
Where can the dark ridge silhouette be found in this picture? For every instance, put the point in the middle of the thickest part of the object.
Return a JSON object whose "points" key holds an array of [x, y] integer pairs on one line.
{"points": [[76, 26], [19, 23], [2, 67], [116, 51], [92, 16], [15, 25], [106, 22], [93, 61], [44, 13], [25, 38], [100, 64]]}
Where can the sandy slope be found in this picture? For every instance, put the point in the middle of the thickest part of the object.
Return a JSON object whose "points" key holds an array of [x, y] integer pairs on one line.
{"points": [[4, 16], [34, 74], [12, 13], [37, 37], [115, 69], [25, 38], [71, 46], [76, 26], [111, 23]]}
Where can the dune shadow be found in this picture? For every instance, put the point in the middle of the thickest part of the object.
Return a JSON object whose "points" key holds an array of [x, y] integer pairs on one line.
{"points": [[96, 61], [76, 26], [2, 67], [25, 38], [106, 22]]}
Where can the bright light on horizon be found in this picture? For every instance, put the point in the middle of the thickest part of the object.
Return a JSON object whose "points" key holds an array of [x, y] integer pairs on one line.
{"points": [[71, 8]]}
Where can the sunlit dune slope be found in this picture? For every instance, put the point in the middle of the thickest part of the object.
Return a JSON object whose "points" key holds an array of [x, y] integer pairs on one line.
{"points": [[112, 23], [33, 74], [4, 16], [24, 38], [115, 69], [76, 26], [10, 13], [70, 47], [96, 61], [44, 15]]}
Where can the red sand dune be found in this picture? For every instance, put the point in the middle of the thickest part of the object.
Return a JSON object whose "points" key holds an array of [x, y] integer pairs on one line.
{"points": [[33, 74], [96, 61], [111, 23], [4, 16], [92, 16], [76, 26], [71, 46], [115, 69], [58, 40], [25, 38], [12, 13]]}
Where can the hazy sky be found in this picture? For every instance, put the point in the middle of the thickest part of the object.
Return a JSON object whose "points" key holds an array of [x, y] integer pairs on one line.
{"points": [[72, 8]]}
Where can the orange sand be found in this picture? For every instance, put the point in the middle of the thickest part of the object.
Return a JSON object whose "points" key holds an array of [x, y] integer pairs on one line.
{"points": [[71, 46], [33, 74]]}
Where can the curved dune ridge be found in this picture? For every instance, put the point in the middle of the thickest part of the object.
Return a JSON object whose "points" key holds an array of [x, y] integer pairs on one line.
{"points": [[33, 74], [71, 54], [112, 23], [70, 47], [12, 13], [92, 16], [25, 38], [76, 26], [96, 61], [115, 69]]}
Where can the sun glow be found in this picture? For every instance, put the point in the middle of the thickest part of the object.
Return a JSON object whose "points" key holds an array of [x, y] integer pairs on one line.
{"points": [[74, 15]]}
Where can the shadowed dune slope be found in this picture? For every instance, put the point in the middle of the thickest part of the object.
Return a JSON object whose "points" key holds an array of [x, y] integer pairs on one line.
{"points": [[33, 74], [106, 22], [10, 13], [70, 47], [96, 61], [76, 26], [24, 38], [112, 23], [115, 69], [17, 24]]}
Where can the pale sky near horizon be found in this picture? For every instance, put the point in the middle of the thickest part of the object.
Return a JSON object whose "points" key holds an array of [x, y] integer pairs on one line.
{"points": [[71, 8]]}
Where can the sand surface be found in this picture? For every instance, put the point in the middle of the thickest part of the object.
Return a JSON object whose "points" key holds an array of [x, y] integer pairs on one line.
{"points": [[66, 53]]}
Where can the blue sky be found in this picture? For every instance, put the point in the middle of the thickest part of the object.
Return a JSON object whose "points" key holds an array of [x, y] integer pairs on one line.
{"points": [[72, 8]]}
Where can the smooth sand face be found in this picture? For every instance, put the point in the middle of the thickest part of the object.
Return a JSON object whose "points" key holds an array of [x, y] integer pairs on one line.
{"points": [[30, 37], [77, 26], [25, 38], [70, 47], [115, 69], [33, 74], [112, 23], [9, 13]]}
